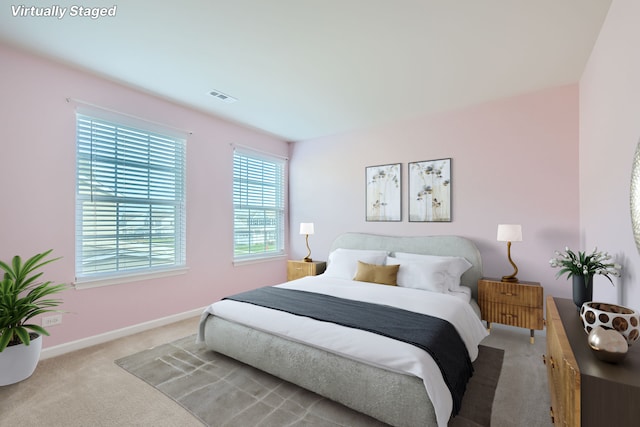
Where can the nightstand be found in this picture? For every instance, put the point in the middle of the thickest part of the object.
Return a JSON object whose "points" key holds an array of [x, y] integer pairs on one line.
{"points": [[511, 303], [298, 269]]}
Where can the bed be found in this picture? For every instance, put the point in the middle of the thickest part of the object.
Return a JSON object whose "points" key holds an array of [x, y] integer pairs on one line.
{"points": [[387, 387]]}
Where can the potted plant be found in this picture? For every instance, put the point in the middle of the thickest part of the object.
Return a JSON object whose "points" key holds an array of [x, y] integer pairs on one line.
{"points": [[22, 297], [582, 267]]}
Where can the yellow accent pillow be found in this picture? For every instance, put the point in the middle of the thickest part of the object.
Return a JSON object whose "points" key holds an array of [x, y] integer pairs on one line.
{"points": [[382, 274]]}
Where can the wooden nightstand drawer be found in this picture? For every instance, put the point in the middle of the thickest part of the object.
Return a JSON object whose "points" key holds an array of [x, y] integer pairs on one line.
{"points": [[299, 269], [524, 293], [514, 315]]}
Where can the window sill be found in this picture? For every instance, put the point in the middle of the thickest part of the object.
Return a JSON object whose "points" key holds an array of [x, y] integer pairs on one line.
{"points": [[88, 283], [248, 261]]}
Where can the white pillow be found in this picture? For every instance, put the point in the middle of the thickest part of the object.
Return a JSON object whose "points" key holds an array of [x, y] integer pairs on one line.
{"points": [[457, 266], [343, 263], [427, 274]]}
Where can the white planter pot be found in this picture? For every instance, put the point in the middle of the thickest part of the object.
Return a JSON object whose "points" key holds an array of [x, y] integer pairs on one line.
{"points": [[18, 362]]}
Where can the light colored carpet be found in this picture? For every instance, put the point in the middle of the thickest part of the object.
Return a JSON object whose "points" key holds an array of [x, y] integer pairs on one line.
{"points": [[224, 392], [85, 388], [522, 397]]}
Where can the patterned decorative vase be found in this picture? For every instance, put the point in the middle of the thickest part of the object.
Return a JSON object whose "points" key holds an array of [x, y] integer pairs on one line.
{"points": [[611, 316], [582, 289]]}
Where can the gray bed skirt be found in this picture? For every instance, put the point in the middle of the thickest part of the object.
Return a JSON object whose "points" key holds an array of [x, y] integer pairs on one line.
{"points": [[397, 399]]}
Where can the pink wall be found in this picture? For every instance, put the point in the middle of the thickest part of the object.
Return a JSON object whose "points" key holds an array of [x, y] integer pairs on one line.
{"points": [[609, 132], [513, 161], [38, 184]]}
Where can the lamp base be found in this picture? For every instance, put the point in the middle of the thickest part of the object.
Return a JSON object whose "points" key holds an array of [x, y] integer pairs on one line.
{"points": [[307, 259], [509, 279]]}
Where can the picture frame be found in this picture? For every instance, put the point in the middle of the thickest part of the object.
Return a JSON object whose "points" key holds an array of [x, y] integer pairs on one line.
{"points": [[383, 200], [430, 191]]}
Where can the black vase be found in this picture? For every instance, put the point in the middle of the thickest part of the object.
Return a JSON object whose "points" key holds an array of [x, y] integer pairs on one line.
{"points": [[582, 289]]}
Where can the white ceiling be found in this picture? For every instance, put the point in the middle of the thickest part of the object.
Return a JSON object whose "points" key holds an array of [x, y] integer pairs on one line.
{"points": [[302, 69]]}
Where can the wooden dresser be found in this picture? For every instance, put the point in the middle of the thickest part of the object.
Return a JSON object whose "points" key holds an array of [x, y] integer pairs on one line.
{"points": [[298, 269], [584, 390], [512, 303]]}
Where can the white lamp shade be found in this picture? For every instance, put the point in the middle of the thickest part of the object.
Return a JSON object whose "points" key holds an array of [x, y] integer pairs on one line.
{"points": [[509, 233], [306, 228]]}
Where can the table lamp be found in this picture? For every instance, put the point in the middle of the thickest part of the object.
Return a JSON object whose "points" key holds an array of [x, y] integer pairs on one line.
{"points": [[510, 233], [306, 228]]}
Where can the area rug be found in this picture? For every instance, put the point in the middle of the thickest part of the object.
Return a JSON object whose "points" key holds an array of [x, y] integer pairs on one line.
{"points": [[220, 391]]}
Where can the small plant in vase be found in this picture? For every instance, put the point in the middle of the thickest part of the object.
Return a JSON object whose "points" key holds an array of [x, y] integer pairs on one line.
{"points": [[582, 267]]}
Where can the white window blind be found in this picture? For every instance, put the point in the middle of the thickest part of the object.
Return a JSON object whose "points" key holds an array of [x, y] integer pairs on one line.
{"points": [[130, 200], [258, 205]]}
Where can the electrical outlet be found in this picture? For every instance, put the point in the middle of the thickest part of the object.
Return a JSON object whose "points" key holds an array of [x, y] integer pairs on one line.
{"points": [[56, 319]]}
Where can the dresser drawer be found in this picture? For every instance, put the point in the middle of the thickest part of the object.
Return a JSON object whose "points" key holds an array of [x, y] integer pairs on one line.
{"points": [[563, 374]]}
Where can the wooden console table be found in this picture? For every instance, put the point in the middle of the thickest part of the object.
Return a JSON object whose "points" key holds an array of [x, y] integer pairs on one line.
{"points": [[586, 391]]}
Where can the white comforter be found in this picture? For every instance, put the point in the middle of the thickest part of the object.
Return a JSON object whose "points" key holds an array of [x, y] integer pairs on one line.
{"points": [[365, 346]]}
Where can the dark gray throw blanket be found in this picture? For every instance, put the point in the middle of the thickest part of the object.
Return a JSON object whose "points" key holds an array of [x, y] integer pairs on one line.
{"points": [[436, 336]]}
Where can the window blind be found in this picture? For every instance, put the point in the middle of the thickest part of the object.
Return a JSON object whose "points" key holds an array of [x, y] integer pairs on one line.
{"points": [[258, 205], [130, 199]]}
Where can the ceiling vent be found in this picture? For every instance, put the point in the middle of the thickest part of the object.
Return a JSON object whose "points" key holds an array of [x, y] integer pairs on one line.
{"points": [[222, 96]]}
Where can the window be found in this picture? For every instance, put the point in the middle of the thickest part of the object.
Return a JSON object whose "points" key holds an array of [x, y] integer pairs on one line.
{"points": [[258, 205], [130, 200]]}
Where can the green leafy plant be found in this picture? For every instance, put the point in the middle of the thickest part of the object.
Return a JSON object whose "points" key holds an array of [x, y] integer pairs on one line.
{"points": [[583, 264], [23, 297]]}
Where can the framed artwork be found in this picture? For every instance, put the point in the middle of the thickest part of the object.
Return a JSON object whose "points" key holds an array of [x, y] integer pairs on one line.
{"points": [[430, 191], [384, 189]]}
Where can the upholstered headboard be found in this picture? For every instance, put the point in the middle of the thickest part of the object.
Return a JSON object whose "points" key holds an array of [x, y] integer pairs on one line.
{"points": [[428, 245]]}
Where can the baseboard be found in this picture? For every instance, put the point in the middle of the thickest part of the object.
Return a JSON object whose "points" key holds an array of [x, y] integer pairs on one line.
{"points": [[58, 350]]}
